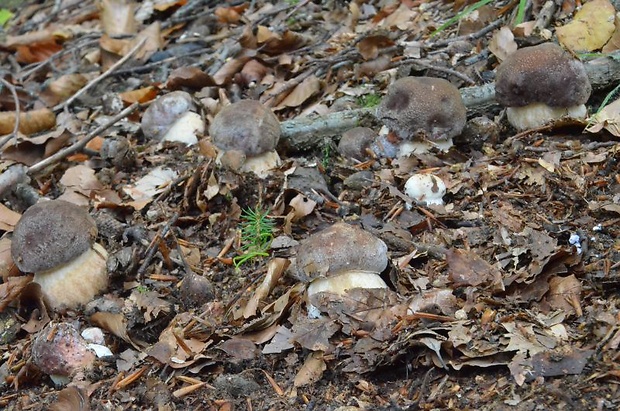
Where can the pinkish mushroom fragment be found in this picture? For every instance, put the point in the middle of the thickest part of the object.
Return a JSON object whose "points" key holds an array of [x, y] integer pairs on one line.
{"points": [[540, 84], [248, 132], [55, 241], [59, 351], [423, 112]]}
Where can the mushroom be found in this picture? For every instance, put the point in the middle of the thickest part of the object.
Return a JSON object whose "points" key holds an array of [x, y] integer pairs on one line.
{"points": [[339, 258], [59, 351], [540, 84], [247, 133], [426, 188], [423, 112], [172, 117], [55, 241]]}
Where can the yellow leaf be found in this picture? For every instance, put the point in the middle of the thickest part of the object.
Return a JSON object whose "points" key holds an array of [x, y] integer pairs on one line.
{"points": [[590, 29]]}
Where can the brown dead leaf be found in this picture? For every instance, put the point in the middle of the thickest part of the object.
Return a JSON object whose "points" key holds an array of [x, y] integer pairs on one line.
{"points": [[274, 43], [281, 341], [230, 15], [114, 323], [466, 268], [314, 334], [503, 43], [30, 122], [71, 399], [614, 42], [275, 269], [11, 290], [369, 46], [117, 17], [141, 95], [189, 76], [608, 118], [304, 90], [153, 41], [239, 348], [591, 28], [37, 52], [565, 294], [226, 73], [65, 86], [312, 369], [151, 303], [8, 218]]}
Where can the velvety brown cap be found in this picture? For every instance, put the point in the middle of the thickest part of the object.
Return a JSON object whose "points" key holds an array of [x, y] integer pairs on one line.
{"points": [[51, 233], [542, 74], [338, 248], [423, 107], [245, 126]]}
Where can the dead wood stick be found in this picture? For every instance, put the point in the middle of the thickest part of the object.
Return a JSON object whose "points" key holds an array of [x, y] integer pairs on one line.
{"points": [[74, 148], [307, 132], [104, 75]]}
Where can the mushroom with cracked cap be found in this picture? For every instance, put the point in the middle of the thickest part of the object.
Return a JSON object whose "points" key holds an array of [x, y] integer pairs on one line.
{"points": [[55, 241], [540, 84], [423, 112], [247, 134]]}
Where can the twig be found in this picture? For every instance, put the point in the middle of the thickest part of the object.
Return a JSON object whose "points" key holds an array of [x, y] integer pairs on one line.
{"points": [[429, 66], [9, 137], [82, 143], [467, 37], [150, 251], [105, 74]]}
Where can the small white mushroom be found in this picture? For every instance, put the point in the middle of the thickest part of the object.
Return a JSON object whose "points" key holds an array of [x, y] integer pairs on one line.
{"points": [[55, 241], [247, 134], [426, 188]]}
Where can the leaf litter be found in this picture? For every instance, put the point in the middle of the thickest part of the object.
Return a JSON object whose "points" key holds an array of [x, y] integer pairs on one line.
{"points": [[504, 296]]}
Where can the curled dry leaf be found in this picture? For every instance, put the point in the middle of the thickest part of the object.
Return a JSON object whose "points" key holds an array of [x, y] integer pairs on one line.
{"points": [[503, 43], [114, 323], [304, 90], [466, 268], [71, 398], [10, 290], [190, 77], [30, 122], [369, 47], [311, 370], [117, 17], [565, 294]]}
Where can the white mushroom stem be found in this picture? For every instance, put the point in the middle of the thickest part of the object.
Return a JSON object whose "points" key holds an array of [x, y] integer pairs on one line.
{"points": [[262, 163], [407, 148], [538, 114], [76, 282], [340, 283], [186, 129]]}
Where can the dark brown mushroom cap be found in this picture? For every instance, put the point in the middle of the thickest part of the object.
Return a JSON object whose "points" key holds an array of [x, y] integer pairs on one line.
{"points": [[423, 106], [338, 248], [245, 126], [542, 74], [51, 233]]}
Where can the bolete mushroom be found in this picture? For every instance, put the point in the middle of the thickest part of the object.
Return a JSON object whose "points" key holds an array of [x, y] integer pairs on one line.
{"points": [[540, 84], [59, 351], [423, 112], [173, 117], [247, 132], [339, 258], [55, 241]]}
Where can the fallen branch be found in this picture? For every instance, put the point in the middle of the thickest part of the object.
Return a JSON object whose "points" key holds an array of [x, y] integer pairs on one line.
{"points": [[306, 132]]}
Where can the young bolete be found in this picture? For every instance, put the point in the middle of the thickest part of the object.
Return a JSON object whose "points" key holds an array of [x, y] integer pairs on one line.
{"points": [[423, 109], [248, 132], [540, 84], [173, 117], [55, 241], [426, 188], [59, 351], [339, 258]]}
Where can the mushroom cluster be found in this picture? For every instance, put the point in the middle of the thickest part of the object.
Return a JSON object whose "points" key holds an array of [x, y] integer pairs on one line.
{"points": [[55, 240], [339, 258], [247, 134], [423, 112], [540, 84]]}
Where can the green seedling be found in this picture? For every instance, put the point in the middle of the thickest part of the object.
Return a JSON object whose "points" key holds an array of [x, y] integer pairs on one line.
{"points": [[369, 100], [256, 235]]}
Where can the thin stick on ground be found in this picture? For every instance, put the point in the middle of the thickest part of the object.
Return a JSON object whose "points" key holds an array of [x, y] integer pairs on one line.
{"points": [[79, 145], [150, 251], [11, 136], [98, 79]]}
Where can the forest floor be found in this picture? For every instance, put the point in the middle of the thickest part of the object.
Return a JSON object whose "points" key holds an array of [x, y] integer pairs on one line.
{"points": [[505, 297]]}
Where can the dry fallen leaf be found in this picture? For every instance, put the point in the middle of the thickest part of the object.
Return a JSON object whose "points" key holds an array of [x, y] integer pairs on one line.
{"points": [[591, 28], [30, 122], [503, 43], [312, 369]]}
